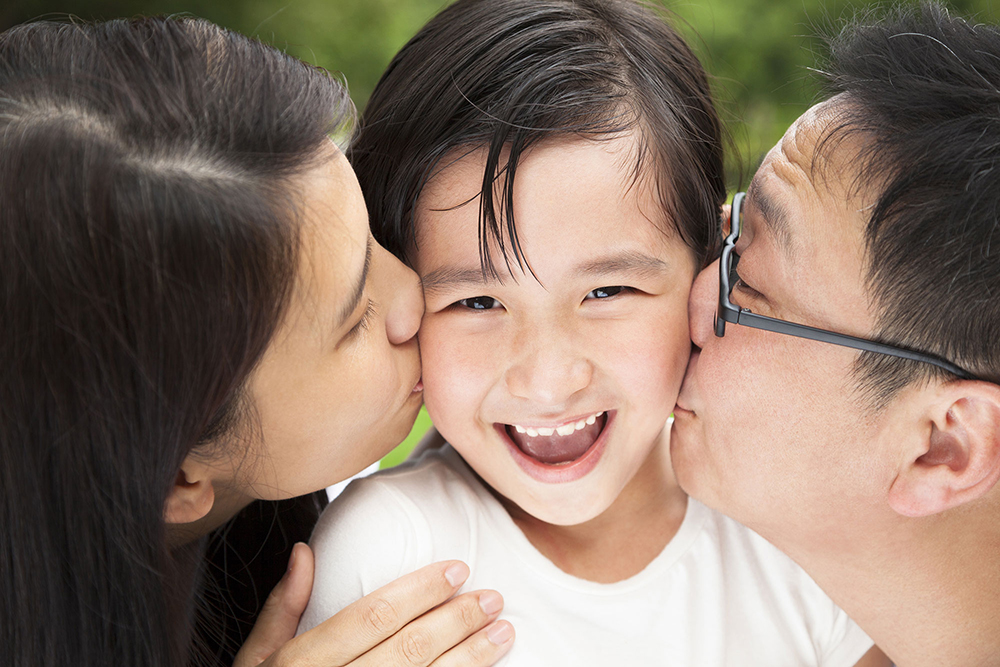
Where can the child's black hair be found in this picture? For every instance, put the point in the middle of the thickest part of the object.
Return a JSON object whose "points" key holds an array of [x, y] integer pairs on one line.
{"points": [[505, 74]]}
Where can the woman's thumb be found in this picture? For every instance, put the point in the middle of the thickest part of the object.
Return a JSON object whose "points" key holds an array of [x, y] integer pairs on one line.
{"points": [[279, 618]]}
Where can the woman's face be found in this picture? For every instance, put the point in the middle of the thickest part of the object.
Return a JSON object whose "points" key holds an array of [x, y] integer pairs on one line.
{"points": [[339, 385]]}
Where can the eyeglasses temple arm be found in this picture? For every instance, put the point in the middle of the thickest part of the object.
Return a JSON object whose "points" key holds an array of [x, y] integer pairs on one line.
{"points": [[747, 318]]}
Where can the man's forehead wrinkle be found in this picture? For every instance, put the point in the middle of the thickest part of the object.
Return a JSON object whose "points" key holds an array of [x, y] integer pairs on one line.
{"points": [[830, 132]]}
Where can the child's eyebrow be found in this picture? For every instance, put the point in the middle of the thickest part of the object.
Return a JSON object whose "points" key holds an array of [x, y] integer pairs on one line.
{"points": [[630, 262], [449, 278], [625, 262]]}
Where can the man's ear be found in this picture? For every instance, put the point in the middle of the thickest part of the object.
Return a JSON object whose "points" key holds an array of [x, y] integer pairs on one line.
{"points": [[192, 495], [956, 454]]}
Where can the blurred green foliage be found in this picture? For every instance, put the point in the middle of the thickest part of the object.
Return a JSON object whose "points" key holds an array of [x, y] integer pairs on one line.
{"points": [[399, 454], [759, 52]]}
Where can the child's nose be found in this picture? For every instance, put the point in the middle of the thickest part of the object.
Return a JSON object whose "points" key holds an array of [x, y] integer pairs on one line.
{"points": [[549, 372], [703, 304]]}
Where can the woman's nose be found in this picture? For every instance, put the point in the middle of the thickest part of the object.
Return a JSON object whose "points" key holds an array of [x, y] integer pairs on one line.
{"points": [[403, 298], [703, 304]]}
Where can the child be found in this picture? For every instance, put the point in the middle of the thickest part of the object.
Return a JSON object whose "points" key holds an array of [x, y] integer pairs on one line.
{"points": [[553, 349]]}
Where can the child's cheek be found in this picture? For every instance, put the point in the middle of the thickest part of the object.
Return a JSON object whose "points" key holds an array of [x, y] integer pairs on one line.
{"points": [[451, 366]]}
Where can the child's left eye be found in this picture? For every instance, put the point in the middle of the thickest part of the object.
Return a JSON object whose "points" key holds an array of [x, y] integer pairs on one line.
{"points": [[606, 292]]}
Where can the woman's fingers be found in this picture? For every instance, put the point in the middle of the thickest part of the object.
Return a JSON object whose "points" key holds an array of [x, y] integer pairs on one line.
{"points": [[380, 615], [483, 648], [457, 626], [279, 618], [410, 621]]}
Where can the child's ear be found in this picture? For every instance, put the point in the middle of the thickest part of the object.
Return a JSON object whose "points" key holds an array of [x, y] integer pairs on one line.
{"points": [[192, 495], [956, 454]]}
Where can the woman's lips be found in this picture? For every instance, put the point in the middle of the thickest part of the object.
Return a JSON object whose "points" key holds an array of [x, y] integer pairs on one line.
{"points": [[559, 471]]}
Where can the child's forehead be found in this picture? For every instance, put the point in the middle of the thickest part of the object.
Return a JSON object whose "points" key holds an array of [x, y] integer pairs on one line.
{"points": [[459, 178], [574, 196]]}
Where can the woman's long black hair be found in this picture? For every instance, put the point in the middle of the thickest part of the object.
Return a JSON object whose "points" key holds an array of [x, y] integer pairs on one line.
{"points": [[147, 248]]}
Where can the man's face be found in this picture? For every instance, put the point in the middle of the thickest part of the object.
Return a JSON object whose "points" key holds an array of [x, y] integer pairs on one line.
{"points": [[770, 428]]}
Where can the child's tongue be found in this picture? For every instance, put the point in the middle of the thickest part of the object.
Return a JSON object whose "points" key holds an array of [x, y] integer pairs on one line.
{"points": [[554, 448]]}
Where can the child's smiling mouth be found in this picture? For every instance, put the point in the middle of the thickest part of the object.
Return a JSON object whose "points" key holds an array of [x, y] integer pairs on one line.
{"points": [[558, 445]]}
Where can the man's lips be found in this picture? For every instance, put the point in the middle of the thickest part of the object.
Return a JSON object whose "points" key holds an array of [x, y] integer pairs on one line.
{"points": [[679, 411], [683, 402]]}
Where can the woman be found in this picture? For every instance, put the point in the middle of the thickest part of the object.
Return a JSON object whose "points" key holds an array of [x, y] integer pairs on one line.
{"points": [[194, 316]]}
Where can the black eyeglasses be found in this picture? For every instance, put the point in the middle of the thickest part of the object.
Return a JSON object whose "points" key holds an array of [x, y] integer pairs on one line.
{"points": [[728, 312]]}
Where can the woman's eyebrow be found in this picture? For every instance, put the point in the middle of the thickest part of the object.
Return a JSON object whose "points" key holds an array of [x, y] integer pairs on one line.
{"points": [[359, 289]]}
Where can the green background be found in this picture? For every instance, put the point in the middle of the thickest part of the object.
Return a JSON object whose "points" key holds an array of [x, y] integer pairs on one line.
{"points": [[759, 52]]}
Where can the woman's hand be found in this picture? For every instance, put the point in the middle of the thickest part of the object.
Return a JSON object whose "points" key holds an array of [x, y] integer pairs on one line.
{"points": [[410, 621]]}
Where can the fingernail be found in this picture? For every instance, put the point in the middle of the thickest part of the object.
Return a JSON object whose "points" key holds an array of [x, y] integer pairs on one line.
{"points": [[490, 602], [291, 559], [500, 633], [457, 573]]}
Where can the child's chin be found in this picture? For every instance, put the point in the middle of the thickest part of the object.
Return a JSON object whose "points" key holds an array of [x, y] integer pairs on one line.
{"points": [[561, 509]]}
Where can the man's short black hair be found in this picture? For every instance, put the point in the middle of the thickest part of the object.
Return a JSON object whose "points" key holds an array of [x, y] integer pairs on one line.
{"points": [[921, 92]]}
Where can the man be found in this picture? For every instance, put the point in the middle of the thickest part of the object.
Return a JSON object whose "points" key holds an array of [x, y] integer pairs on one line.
{"points": [[873, 217]]}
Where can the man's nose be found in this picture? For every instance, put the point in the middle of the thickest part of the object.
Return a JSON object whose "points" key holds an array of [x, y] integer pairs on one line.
{"points": [[703, 304]]}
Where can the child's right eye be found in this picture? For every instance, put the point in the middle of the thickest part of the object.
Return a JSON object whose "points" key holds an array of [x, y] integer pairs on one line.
{"points": [[479, 303]]}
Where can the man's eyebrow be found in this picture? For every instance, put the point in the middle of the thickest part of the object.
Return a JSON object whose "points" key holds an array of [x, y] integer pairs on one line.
{"points": [[774, 215], [448, 277], [359, 289]]}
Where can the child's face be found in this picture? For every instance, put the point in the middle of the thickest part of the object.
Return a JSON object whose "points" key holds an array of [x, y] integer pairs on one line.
{"points": [[516, 372]]}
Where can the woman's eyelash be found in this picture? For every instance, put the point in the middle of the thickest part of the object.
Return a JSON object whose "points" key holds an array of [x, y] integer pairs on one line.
{"points": [[366, 319]]}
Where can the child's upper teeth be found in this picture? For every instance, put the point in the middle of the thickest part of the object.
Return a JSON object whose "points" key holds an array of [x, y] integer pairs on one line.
{"points": [[565, 429]]}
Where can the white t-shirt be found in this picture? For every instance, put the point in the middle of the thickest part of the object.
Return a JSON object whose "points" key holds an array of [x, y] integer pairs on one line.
{"points": [[718, 593]]}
